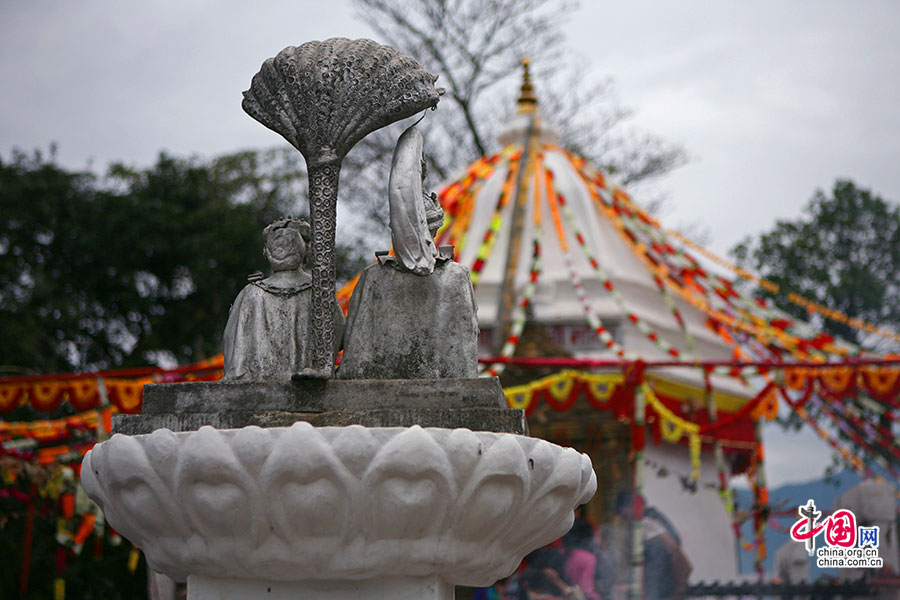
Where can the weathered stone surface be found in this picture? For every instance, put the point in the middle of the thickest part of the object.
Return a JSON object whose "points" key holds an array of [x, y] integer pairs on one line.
{"points": [[403, 325], [267, 335], [324, 97], [322, 395], [498, 420], [476, 404], [412, 315], [411, 242]]}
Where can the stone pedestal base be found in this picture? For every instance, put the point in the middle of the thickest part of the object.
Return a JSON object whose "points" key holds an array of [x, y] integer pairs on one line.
{"points": [[476, 404], [395, 588], [349, 504], [334, 512]]}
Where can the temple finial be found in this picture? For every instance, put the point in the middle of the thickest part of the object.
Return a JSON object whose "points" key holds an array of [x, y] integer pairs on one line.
{"points": [[527, 100]]}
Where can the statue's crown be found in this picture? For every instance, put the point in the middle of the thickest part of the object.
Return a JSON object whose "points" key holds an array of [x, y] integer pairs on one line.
{"points": [[301, 225]]}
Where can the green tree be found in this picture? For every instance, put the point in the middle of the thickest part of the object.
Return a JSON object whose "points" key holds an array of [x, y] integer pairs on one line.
{"points": [[136, 267], [844, 253]]}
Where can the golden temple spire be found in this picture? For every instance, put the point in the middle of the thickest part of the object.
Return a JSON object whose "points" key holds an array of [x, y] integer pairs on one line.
{"points": [[527, 100]]}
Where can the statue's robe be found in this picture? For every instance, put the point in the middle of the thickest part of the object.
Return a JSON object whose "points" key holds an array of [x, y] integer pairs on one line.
{"points": [[266, 337], [405, 326]]}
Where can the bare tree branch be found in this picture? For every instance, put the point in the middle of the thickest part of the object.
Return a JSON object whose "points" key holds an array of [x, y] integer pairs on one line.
{"points": [[475, 47]]}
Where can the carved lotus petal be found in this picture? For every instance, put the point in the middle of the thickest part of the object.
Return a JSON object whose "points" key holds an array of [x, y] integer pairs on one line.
{"points": [[303, 503], [466, 448], [308, 487], [252, 446], [356, 447], [541, 460], [494, 491], [138, 488], [409, 487], [554, 493], [120, 477], [588, 480], [324, 97], [162, 452], [219, 495]]}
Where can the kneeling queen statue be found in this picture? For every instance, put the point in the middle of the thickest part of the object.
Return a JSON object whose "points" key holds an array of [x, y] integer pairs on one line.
{"points": [[266, 338], [412, 315]]}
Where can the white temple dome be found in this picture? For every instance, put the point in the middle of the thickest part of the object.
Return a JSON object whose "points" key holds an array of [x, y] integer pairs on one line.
{"points": [[574, 213]]}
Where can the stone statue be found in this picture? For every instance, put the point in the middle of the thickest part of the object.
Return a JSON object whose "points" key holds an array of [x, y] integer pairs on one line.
{"points": [[267, 335], [323, 97], [310, 488], [412, 315]]}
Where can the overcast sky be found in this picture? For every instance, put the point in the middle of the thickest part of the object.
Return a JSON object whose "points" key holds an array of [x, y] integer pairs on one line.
{"points": [[771, 99]]}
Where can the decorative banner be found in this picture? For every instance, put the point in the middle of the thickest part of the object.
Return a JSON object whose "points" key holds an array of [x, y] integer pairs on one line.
{"points": [[761, 495], [126, 395], [46, 396], [84, 394], [670, 431], [519, 316], [519, 397], [12, 396], [487, 243], [42, 429], [795, 378], [637, 528], [123, 388], [674, 423], [850, 459], [770, 286], [839, 381], [457, 198], [599, 387], [561, 391], [607, 391], [684, 274], [632, 317], [882, 383]]}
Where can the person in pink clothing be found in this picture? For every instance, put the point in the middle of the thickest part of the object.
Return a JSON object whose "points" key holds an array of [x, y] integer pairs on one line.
{"points": [[580, 562]]}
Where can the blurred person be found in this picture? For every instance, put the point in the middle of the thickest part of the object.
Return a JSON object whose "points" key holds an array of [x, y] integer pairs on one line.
{"points": [[792, 563], [541, 580], [493, 592], [604, 572], [666, 568], [580, 561]]}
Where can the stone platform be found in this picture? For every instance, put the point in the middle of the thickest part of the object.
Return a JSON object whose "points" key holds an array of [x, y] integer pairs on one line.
{"points": [[476, 404]]}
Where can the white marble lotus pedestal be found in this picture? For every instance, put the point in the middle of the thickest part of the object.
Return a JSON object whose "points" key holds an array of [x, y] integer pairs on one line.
{"points": [[336, 512]]}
